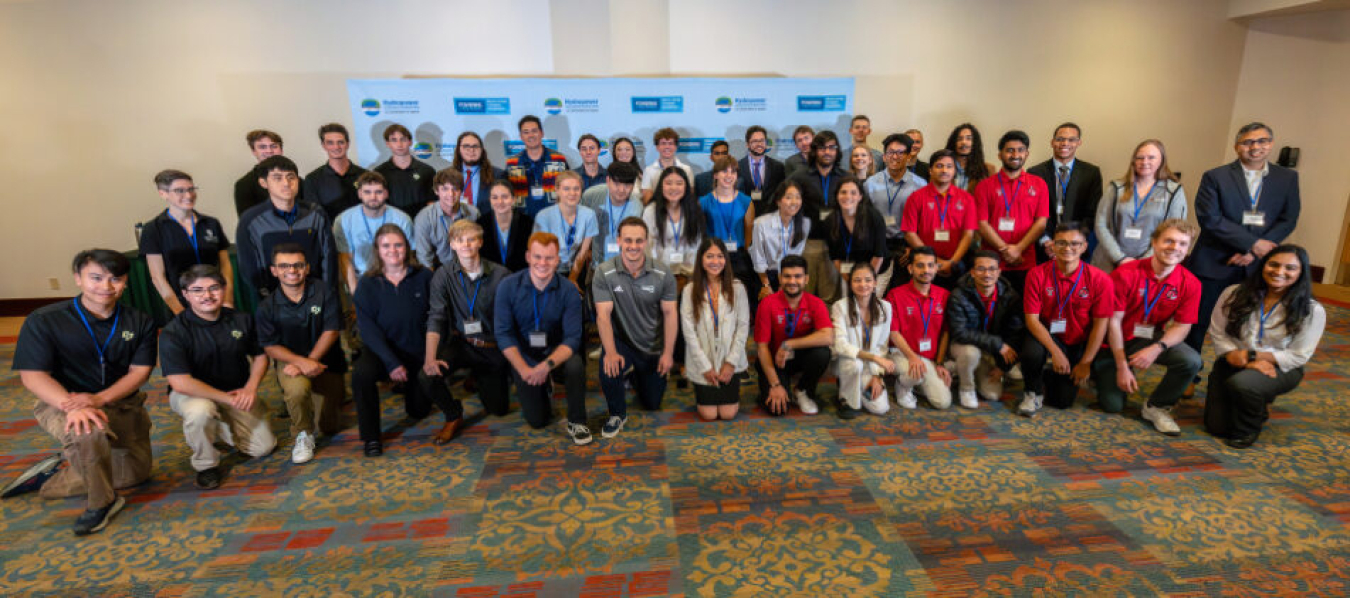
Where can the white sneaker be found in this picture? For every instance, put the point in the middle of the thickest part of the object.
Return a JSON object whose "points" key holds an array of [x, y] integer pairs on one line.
{"points": [[907, 400], [989, 389], [969, 400], [1031, 403], [807, 406], [1015, 373], [1161, 418], [877, 405], [594, 354], [304, 448]]}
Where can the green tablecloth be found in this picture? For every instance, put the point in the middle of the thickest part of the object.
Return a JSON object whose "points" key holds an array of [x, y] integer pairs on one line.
{"points": [[141, 293]]}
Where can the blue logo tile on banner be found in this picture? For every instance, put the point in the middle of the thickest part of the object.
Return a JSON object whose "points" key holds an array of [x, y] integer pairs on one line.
{"points": [[553, 105], [482, 105], [370, 106], [658, 103], [697, 145], [421, 150], [515, 146], [821, 103]]}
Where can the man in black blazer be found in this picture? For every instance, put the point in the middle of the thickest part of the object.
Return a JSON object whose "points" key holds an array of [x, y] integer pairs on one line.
{"points": [[703, 181], [1245, 208], [1075, 186], [758, 173], [917, 166]]}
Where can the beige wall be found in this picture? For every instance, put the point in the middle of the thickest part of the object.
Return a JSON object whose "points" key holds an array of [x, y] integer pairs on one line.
{"points": [[1296, 78], [98, 96]]}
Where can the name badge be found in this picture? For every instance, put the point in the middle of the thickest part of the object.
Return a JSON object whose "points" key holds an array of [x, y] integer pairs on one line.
{"points": [[756, 195], [611, 247], [536, 191], [538, 339], [1006, 224], [472, 327], [890, 220], [787, 353], [825, 214], [1253, 218], [1058, 326], [732, 245], [845, 268], [675, 257], [1134, 233], [925, 345], [942, 235], [1143, 331], [1059, 209]]}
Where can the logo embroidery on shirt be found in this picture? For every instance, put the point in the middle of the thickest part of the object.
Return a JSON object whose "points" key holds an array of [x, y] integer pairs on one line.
{"points": [[618, 289], [209, 235], [127, 335], [647, 288], [237, 334], [1171, 294], [316, 310]]}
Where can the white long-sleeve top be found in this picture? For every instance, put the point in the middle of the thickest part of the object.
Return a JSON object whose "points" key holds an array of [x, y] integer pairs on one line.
{"points": [[706, 349], [848, 336], [1290, 351], [767, 241], [663, 251]]}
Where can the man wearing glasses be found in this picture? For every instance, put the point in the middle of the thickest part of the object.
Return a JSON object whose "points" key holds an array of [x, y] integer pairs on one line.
{"points": [[758, 174], [1068, 305], [211, 358], [1245, 208], [299, 328], [889, 189]]}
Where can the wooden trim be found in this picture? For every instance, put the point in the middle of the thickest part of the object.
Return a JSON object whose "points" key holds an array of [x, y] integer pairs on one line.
{"points": [[23, 307]]}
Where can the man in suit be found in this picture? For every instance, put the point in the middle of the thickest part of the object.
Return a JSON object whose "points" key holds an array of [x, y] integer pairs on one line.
{"points": [[703, 182], [1245, 208], [759, 174], [1075, 186]]}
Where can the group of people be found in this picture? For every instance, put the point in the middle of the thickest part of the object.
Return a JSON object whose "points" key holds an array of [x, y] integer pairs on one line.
{"points": [[912, 280]]}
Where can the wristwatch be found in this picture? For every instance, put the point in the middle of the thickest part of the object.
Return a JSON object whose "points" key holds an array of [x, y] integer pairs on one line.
{"points": [[1162, 344], [550, 363], [1251, 354]]}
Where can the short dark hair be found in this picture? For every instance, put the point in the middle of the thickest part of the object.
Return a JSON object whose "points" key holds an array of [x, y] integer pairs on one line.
{"points": [[922, 250], [755, 129], [721, 142], [448, 176], [112, 261], [1013, 135], [529, 118], [802, 129], [623, 172], [253, 136], [1071, 226], [589, 137], [985, 253], [858, 117], [198, 272], [334, 128], [900, 138], [370, 177], [1252, 126], [397, 128], [1069, 125], [940, 154], [166, 177], [287, 247], [277, 162], [792, 261], [634, 221], [665, 133]]}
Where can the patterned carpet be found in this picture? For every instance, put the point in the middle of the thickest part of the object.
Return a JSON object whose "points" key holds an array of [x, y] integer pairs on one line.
{"points": [[926, 503]]}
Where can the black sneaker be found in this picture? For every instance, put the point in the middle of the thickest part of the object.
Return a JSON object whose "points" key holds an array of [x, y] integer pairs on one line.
{"points": [[374, 448], [579, 432], [209, 479], [846, 412], [612, 426], [94, 520], [33, 477]]}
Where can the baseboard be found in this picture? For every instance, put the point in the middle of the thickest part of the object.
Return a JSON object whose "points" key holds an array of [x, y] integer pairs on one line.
{"points": [[22, 307]]}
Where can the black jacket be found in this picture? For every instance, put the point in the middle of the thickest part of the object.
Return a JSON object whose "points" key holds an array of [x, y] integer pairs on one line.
{"points": [[965, 317]]}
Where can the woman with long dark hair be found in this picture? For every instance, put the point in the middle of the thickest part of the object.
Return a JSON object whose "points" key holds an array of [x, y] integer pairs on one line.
{"points": [[506, 228], [862, 326], [675, 220], [1265, 329], [855, 234], [778, 234], [971, 168], [623, 150], [715, 321], [471, 161]]}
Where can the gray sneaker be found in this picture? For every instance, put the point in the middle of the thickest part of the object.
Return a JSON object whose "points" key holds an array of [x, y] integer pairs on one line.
{"points": [[612, 426], [1161, 418]]}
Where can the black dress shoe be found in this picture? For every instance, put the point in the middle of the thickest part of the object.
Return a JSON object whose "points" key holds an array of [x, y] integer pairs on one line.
{"points": [[374, 448], [209, 479], [1242, 442], [846, 412]]}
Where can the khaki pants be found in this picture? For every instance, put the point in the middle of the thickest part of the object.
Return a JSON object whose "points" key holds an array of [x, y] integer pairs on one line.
{"points": [[118, 457], [939, 395], [972, 369], [824, 280], [307, 397], [248, 430]]}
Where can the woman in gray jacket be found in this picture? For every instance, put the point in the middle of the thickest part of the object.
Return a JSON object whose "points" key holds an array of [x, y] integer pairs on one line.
{"points": [[1133, 206]]}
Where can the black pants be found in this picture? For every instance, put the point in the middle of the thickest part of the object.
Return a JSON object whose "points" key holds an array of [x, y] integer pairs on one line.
{"points": [[949, 282], [744, 270], [1058, 389], [489, 369], [536, 402], [1238, 399], [640, 370], [418, 395], [1210, 289], [810, 363], [1017, 279]]}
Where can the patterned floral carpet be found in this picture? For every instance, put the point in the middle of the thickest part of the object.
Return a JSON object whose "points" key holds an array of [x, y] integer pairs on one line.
{"points": [[925, 503]]}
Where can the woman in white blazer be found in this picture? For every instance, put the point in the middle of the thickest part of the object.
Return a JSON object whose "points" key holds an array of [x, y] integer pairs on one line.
{"points": [[715, 321], [862, 324]]}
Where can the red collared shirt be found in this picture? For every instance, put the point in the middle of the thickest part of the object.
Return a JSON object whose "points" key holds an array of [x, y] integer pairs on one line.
{"points": [[922, 216], [909, 310], [1029, 199], [774, 315], [1094, 298], [1179, 301]]}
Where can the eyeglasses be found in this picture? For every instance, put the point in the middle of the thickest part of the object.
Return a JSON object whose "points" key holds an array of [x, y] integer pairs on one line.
{"points": [[185, 190], [1060, 244], [295, 266], [1255, 142], [986, 269], [831, 147], [213, 289], [468, 146], [896, 153]]}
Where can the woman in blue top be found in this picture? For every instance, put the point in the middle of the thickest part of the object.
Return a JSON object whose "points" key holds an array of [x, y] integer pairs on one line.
{"points": [[731, 218]]}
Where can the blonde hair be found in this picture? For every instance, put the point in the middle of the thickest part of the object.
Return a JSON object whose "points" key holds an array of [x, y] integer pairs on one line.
{"points": [[463, 228]]}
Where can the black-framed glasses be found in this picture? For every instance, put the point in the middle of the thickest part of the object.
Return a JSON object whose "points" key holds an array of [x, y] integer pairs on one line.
{"points": [[215, 288], [1061, 244], [1255, 142], [295, 266]]}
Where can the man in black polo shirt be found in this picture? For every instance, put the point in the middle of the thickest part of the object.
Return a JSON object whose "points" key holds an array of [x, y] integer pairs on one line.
{"points": [[333, 185], [85, 360], [299, 327], [409, 178], [210, 355], [463, 305], [264, 144]]}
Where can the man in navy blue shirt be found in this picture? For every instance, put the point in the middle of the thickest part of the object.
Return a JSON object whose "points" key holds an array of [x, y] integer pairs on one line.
{"points": [[539, 329]]}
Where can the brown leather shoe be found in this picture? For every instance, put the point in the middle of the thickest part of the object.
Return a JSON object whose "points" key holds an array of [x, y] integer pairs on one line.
{"points": [[447, 432], [1190, 391]]}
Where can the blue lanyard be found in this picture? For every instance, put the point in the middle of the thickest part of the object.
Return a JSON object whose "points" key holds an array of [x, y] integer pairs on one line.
{"points": [[366, 221], [103, 348], [1008, 198], [989, 309], [192, 234], [787, 238], [926, 316], [754, 173], [712, 304], [476, 285], [613, 225], [891, 197], [676, 228], [503, 239], [790, 326], [1257, 196], [825, 186], [867, 336], [942, 210], [1138, 205], [1150, 304], [537, 292], [441, 214], [1261, 333], [726, 218], [1061, 304], [848, 245], [571, 231]]}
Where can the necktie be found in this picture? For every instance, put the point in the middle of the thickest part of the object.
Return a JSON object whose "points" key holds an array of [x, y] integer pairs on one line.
{"points": [[1063, 176], [468, 185]]}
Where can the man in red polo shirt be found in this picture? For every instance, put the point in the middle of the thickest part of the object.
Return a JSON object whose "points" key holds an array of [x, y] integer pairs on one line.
{"points": [[942, 216], [917, 313], [1157, 300], [1013, 209], [1068, 304], [794, 333]]}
